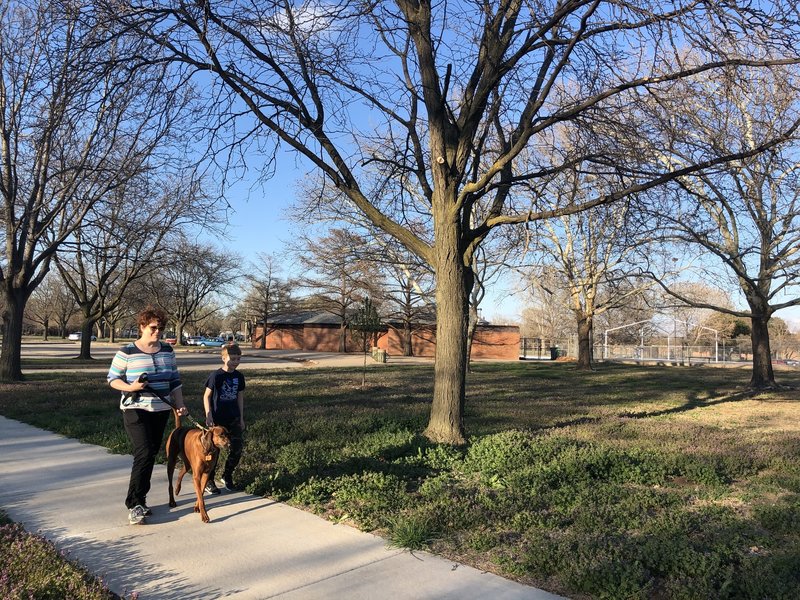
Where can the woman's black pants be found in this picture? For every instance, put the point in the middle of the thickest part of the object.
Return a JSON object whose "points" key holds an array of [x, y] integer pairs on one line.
{"points": [[146, 431]]}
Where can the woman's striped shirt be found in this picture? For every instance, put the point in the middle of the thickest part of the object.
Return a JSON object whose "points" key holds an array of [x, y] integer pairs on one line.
{"points": [[162, 375]]}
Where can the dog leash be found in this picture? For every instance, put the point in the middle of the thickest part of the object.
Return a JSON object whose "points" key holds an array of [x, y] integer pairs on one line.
{"points": [[143, 379]]}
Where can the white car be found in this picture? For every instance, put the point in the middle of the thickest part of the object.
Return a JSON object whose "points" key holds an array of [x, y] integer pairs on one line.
{"points": [[76, 337]]}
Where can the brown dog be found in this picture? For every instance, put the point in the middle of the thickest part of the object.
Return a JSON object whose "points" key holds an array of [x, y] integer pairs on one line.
{"points": [[198, 450]]}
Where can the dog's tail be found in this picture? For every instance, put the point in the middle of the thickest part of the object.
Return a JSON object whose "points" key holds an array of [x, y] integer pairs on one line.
{"points": [[177, 419]]}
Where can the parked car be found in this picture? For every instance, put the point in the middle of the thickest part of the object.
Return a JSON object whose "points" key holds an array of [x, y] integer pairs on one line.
{"points": [[171, 340], [76, 337], [210, 342], [193, 340]]}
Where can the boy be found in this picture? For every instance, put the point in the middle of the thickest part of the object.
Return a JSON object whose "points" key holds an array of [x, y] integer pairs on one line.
{"points": [[224, 404]]}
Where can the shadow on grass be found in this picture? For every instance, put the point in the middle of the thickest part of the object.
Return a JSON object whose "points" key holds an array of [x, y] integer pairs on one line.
{"points": [[694, 402], [570, 423]]}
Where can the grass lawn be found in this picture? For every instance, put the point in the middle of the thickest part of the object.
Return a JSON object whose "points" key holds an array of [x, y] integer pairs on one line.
{"points": [[628, 482]]}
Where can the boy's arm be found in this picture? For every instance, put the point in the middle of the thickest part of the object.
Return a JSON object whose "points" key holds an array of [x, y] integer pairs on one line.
{"points": [[207, 407], [240, 401]]}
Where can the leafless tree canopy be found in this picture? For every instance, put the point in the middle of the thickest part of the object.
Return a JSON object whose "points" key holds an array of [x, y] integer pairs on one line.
{"points": [[741, 219], [269, 293], [336, 275], [440, 100], [76, 123], [128, 236], [192, 279]]}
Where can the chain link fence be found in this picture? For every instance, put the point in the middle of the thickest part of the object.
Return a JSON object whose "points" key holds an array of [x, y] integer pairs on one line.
{"points": [[656, 350]]}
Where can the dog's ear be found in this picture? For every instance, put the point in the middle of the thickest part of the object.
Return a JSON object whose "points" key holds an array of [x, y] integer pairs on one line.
{"points": [[207, 441]]}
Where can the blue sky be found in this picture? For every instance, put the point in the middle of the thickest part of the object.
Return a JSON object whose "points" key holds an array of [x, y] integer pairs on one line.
{"points": [[258, 223]]}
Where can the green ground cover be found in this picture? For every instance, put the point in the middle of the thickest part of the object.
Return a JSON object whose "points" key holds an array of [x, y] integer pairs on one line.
{"points": [[31, 567], [628, 482]]}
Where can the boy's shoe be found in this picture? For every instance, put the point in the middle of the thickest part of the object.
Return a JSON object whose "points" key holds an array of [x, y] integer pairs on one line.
{"points": [[147, 511], [227, 482], [136, 515], [211, 488]]}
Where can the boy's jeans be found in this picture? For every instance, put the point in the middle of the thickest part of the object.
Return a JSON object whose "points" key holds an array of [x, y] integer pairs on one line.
{"points": [[235, 451]]}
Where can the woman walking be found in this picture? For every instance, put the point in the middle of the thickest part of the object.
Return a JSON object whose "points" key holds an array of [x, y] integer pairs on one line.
{"points": [[143, 413]]}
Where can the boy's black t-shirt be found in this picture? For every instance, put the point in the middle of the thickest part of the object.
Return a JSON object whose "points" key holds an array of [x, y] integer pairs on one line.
{"points": [[225, 388]]}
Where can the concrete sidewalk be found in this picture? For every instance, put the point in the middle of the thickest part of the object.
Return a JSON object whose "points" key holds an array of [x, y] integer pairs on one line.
{"points": [[72, 493]]}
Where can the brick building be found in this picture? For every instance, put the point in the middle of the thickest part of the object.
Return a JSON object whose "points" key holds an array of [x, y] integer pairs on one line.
{"points": [[319, 331]]}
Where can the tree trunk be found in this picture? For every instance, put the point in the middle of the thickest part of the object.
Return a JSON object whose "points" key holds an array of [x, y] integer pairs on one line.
{"points": [[473, 324], [11, 353], [343, 337], [262, 342], [86, 338], [364, 371], [453, 283], [584, 342], [763, 375], [46, 325], [408, 349]]}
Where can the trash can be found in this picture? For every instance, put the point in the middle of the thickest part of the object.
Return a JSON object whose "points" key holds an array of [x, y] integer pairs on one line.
{"points": [[553, 352], [379, 356]]}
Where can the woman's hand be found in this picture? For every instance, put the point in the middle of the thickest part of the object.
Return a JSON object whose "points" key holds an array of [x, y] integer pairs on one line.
{"points": [[182, 411], [137, 386]]}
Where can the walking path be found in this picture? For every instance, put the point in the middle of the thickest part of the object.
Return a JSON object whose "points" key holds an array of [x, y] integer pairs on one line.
{"points": [[254, 548]]}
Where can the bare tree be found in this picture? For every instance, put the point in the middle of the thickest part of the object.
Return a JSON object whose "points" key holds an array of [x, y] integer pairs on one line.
{"points": [[688, 319], [595, 252], [404, 272], [406, 288], [269, 293], [783, 343], [337, 276], [547, 313], [125, 238], [407, 292], [65, 307], [190, 284], [122, 319], [211, 319], [407, 295], [445, 97], [75, 124], [112, 320], [489, 262], [744, 217], [43, 307]]}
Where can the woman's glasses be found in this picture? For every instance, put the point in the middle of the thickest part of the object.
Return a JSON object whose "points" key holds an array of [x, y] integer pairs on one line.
{"points": [[154, 328]]}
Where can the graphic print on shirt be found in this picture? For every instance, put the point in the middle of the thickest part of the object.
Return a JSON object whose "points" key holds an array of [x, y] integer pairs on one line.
{"points": [[229, 390]]}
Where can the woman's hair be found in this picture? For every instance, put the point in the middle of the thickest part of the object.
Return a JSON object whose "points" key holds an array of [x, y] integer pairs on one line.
{"points": [[151, 313]]}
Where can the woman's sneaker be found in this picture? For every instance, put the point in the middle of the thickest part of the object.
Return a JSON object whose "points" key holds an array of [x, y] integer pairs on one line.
{"points": [[228, 483], [137, 514], [211, 488]]}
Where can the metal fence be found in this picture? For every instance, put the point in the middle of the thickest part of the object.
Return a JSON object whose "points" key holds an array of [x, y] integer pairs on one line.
{"points": [[545, 349], [682, 354], [666, 351]]}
